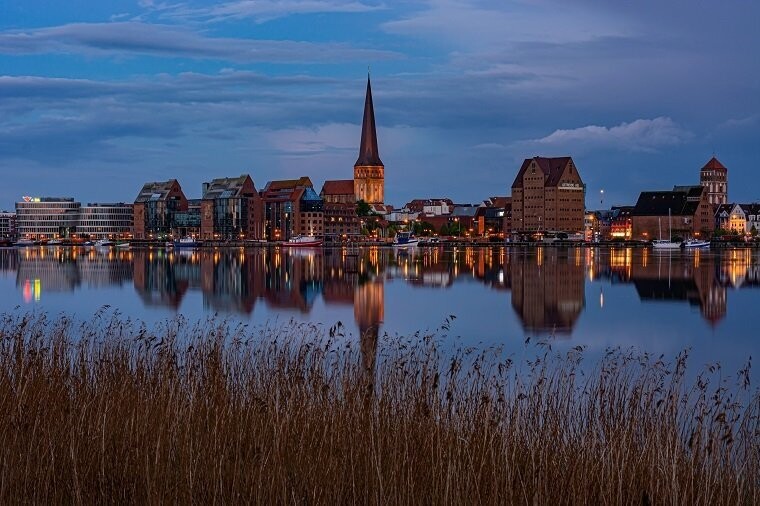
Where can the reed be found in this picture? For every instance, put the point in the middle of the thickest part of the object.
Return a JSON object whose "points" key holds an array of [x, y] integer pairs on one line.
{"points": [[114, 411]]}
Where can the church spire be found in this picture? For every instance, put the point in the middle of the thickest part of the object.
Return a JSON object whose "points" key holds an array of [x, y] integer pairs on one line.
{"points": [[368, 152]]}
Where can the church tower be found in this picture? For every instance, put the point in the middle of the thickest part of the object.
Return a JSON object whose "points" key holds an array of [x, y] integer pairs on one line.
{"points": [[369, 172], [714, 178]]}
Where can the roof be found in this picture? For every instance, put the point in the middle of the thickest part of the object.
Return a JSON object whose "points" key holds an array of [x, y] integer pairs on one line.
{"points": [[714, 164], [681, 201], [368, 152], [551, 167], [288, 184], [338, 187], [753, 208], [226, 187], [465, 211], [157, 190]]}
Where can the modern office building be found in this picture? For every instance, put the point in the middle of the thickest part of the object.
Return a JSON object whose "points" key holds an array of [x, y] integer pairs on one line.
{"points": [[47, 217], [156, 207], [105, 221], [231, 209], [7, 225], [548, 194]]}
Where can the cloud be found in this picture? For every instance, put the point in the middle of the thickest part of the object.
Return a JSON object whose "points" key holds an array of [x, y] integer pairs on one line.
{"points": [[265, 10], [639, 135], [138, 38]]}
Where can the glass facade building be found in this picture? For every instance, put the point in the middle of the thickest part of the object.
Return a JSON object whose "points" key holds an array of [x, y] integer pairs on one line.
{"points": [[47, 217]]}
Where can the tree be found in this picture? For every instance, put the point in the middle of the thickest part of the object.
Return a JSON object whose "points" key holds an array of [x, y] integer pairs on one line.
{"points": [[753, 232], [362, 208]]}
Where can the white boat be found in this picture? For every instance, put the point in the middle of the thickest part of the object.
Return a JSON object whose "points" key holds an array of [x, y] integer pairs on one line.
{"points": [[302, 241], [696, 243], [405, 240], [186, 242], [103, 243], [24, 242], [665, 243], [54, 242], [122, 245]]}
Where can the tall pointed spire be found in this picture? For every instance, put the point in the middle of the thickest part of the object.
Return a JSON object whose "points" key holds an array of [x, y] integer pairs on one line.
{"points": [[368, 152]]}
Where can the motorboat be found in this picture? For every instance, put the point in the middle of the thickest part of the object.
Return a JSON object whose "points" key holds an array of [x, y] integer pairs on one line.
{"points": [[695, 244], [405, 240], [187, 242], [22, 243], [302, 241], [54, 242], [122, 245], [103, 243]]}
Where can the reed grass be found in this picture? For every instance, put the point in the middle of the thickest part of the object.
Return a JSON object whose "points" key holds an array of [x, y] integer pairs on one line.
{"points": [[211, 412]]}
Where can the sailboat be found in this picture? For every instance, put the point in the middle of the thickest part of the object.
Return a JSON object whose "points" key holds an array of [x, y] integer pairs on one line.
{"points": [[662, 243]]}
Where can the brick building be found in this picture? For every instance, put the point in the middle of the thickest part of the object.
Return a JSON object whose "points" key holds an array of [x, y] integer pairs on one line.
{"points": [[548, 194], [340, 209], [231, 209], [155, 208], [289, 209], [683, 212], [714, 178], [369, 171]]}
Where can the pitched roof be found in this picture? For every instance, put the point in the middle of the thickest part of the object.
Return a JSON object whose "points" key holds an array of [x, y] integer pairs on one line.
{"points": [[156, 190], [551, 167], [285, 184], [338, 187], [368, 152], [225, 187], [680, 201], [714, 164]]}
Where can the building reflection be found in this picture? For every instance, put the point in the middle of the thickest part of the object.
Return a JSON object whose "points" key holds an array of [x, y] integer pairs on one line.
{"points": [[548, 288], [546, 285]]}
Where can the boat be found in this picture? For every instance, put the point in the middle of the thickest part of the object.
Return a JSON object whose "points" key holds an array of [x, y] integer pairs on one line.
{"points": [[21, 243], [302, 241], [665, 243], [695, 244], [88, 243], [122, 245], [405, 240], [186, 242], [103, 243], [54, 242]]}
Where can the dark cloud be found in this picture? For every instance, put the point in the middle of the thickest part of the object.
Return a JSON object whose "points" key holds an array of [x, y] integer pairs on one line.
{"points": [[138, 38]]}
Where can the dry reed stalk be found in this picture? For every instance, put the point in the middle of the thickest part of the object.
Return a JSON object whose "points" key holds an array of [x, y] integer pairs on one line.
{"points": [[111, 411]]}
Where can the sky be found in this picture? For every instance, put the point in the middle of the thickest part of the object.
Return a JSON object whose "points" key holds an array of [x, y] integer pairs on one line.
{"points": [[97, 98]]}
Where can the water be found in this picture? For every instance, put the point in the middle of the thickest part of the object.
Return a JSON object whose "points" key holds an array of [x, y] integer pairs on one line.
{"points": [[659, 302]]}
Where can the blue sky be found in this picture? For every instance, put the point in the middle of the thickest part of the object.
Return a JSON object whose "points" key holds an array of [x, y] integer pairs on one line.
{"points": [[98, 97]]}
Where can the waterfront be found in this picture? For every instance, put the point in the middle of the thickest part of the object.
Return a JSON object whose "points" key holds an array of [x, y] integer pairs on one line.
{"points": [[595, 297]]}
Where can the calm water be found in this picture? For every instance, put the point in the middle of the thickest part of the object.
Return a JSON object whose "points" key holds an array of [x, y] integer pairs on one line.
{"points": [[657, 302]]}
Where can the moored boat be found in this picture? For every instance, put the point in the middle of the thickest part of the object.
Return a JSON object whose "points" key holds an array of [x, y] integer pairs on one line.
{"points": [[21, 243], [405, 240], [665, 244], [186, 242], [695, 244], [104, 243], [302, 241], [122, 245]]}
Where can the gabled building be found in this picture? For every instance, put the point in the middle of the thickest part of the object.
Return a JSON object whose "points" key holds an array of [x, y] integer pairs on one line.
{"points": [[231, 209], [740, 218], [714, 178], [282, 201], [548, 194], [155, 208], [683, 212], [340, 217], [369, 171]]}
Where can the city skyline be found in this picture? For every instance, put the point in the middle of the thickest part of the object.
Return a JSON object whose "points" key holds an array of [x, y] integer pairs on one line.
{"points": [[124, 92]]}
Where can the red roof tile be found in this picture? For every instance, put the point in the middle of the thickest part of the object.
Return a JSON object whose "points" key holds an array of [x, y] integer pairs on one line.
{"points": [[714, 164], [338, 187]]}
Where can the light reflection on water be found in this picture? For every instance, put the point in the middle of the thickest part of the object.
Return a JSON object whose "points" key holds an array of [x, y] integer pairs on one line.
{"points": [[599, 297]]}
